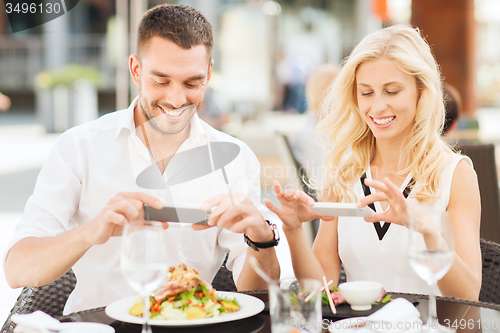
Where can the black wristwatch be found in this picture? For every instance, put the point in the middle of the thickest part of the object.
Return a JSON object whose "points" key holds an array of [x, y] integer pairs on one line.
{"points": [[264, 245]]}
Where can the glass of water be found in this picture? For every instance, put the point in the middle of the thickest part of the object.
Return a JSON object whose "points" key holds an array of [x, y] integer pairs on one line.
{"points": [[143, 261], [431, 254], [289, 310]]}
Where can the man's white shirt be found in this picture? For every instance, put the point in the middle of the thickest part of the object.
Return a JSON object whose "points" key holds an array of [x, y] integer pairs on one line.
{"points": [[91, 163]]}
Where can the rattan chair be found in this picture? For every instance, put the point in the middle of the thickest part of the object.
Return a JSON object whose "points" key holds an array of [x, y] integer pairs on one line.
{"points": [[50, 299], [223, 280], [483, 157], [298, 177], [490, 288], [342, 275]]}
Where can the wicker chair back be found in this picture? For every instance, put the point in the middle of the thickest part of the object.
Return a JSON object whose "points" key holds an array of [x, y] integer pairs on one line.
{"points": [[223, 280], [490, 288], [483, 157], [50, 299]]}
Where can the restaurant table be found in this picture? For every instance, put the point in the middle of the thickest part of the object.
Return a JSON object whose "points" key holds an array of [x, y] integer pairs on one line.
{"points": [[463, 315]]}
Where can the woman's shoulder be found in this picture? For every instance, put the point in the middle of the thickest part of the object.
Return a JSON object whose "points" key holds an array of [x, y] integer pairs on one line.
{"points": [[464, 169], [454, 161], [450, 166], [464, 159], [464, 188], [460, 174]]}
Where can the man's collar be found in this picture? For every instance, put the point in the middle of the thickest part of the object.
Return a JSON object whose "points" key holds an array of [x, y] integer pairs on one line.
{"points": [[127, 122], [197, 134]]}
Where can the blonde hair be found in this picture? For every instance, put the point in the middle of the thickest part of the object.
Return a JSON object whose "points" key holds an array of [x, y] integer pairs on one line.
{"points": [[317, 85], [424, 153]]}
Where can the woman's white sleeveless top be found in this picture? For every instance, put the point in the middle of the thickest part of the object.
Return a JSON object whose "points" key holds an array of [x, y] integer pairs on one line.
{"points": [[367, 258]]}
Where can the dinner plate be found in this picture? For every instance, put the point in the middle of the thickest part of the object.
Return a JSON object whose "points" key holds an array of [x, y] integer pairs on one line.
{"points": [[348, 325], [249, 306]]}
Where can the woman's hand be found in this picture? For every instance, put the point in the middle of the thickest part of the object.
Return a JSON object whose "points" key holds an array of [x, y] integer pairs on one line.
{"points": [[294, 207], [398, 211]]}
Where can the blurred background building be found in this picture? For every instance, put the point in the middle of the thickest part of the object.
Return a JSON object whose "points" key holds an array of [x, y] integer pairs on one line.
{"points": [[75, 68], [264, 52]]}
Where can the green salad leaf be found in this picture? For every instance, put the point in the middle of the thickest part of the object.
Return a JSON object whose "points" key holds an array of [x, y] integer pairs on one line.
{"points": [[185, 296], [324, 296], [293, 297], [387, 298]]}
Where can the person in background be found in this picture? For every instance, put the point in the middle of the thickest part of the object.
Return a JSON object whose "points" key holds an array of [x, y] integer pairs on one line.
{"points": [[306, 146], [383, 118], [4, 103], [211, 112], [453, 107], [293, 71], [91, 185]]}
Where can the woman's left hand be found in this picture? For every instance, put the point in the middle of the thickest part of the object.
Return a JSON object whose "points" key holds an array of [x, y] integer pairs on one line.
{"points": [[398, 211]]}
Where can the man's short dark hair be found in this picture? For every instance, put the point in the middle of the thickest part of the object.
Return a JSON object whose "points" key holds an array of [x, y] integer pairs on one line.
{"points": [[182, 25]]}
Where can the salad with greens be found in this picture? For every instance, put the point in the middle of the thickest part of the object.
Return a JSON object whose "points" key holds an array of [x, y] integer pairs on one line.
{"points": [[186, 296]]}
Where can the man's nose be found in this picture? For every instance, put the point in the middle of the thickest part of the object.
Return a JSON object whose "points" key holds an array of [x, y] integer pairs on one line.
{"points": [[176, 96]]}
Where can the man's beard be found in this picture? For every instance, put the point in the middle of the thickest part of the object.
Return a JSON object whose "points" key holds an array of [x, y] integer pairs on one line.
{"points": [[154, 122]]}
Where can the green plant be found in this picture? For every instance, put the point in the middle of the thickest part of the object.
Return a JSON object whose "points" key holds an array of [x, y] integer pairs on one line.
{"points": [[67, 76]]}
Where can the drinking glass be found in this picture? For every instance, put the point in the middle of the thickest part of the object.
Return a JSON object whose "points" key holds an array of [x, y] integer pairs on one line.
{"points": [[143, 261], [289, 311], [431, 258]]}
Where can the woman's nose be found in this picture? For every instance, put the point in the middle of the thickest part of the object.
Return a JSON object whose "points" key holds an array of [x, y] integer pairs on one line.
{"points": [[379, 104]]}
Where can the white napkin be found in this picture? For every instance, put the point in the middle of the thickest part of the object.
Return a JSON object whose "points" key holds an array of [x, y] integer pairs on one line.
{"points": [[37, 321], [397, 316], [40, 322]]}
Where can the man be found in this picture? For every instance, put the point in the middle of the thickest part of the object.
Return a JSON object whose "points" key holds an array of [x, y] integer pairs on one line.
{"points": [[67, 222]]}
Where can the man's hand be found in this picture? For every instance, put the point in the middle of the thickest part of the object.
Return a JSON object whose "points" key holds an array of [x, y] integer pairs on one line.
{"points": [[237, 213], [123, 208], [36, 261]]}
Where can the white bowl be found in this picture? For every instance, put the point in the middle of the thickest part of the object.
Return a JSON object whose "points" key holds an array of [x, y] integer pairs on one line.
{"points": [[360, 294]]}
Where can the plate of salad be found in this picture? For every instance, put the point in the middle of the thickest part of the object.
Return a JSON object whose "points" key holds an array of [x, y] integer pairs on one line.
{"points": [[186, 300]]}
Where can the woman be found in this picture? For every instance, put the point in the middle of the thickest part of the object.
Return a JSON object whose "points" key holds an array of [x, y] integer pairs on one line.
{"points": [[387, 106]]}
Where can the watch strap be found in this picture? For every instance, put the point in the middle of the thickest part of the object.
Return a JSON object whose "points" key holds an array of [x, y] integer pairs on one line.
{"points": [[264, 245]]}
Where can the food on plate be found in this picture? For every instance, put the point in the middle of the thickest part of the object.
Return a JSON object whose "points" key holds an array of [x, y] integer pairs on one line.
{"points": [[337, 297], [136, 309], [185, 296]]}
